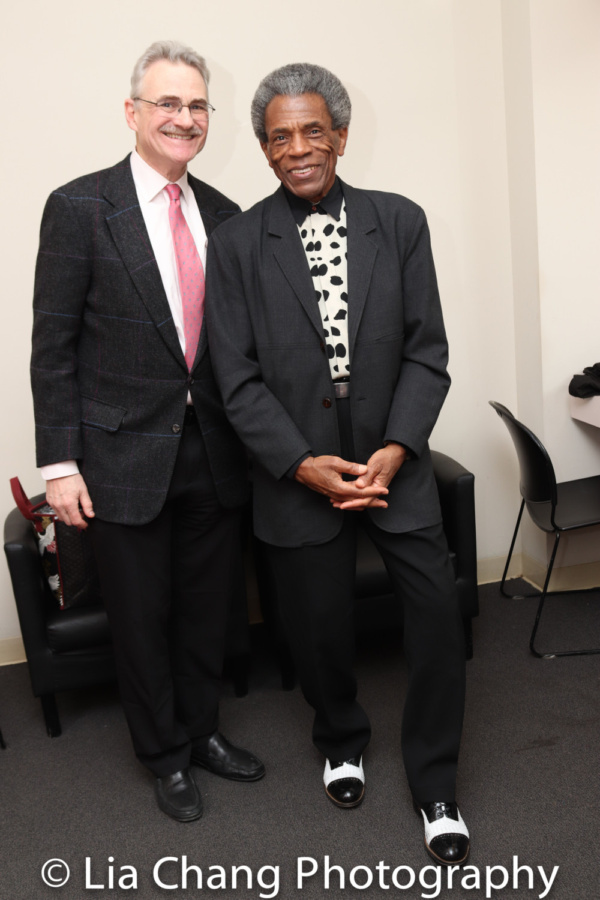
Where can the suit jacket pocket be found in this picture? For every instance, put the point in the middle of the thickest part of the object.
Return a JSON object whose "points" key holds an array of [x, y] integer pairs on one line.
{"points": [[97, 414]]}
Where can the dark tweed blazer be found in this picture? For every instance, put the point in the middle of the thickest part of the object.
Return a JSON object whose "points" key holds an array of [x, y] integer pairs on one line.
{"points": [[109, 377], [266, 336]]}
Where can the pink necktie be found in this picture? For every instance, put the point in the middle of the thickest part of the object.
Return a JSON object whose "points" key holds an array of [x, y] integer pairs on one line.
{"points": [[191, 274]]}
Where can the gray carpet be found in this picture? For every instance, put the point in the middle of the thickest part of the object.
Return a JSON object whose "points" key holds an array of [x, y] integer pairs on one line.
{"points": [[528, 783]]}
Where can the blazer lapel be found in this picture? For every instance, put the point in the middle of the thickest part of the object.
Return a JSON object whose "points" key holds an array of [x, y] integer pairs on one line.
{"points": [[362, 251], [128, 230], [290, 255]]}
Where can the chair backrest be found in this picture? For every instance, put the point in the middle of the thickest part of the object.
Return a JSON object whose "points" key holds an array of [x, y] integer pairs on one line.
{"points": [[538, 481]]}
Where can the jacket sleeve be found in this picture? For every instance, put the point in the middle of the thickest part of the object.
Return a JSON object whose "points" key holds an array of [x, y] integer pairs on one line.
{"points": [[259, 418], [424, 381], [62, 281]]}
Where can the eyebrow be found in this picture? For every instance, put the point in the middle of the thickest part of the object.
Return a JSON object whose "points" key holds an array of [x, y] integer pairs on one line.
{"points": [[284, 129], [175, 97]]}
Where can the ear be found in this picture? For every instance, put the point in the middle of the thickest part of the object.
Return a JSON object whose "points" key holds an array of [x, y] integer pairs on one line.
{"points": [[343, 137], [265, 150], [130, 114]]}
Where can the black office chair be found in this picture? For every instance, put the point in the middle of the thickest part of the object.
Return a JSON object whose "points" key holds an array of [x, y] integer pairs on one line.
{"points": [[555, 508]]}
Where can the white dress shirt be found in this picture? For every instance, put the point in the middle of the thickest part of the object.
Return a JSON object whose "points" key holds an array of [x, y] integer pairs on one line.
{"points": [[154, 204]]}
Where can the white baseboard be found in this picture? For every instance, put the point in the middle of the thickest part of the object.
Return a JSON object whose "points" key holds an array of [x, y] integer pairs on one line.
{"points": [[491, 569], [565, 578], [11, 651]]}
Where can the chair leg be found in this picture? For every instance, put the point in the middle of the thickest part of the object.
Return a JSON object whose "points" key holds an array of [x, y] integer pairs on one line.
{"points": [[51, 717], [509, 557], [543, 595], [2, 741], [468, 629], [541, 603]]}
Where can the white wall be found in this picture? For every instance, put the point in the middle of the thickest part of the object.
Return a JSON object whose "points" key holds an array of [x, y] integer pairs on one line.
{"points": [[438, 116]]}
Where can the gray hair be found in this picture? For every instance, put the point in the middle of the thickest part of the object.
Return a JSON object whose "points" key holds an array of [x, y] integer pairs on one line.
{"points": [[301, 78], [174, 52]]}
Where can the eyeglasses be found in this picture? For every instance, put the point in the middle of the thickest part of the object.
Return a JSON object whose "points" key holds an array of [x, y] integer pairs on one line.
{"points": [[172, 106]]}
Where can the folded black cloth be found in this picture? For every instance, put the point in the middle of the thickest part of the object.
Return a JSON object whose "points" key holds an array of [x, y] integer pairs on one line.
{"points": [[588, 384]]}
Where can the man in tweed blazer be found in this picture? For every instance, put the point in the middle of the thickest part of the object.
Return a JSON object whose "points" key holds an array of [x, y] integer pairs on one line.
{"points": [[132, 439], [329, 347]]}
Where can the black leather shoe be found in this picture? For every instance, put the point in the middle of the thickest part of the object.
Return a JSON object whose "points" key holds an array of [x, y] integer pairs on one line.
{"points": [[178, 796], [446, 835], [216, 754], [345, 782]]}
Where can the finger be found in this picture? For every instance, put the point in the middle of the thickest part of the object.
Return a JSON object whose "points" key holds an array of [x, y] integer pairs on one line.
{"points": [[74, 517], [370, 503], [348, 468], [86, 504], [348, 492]]}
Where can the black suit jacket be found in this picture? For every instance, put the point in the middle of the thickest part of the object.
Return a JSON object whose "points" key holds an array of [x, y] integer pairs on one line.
{"points": [[266, 336], [109, 377]]}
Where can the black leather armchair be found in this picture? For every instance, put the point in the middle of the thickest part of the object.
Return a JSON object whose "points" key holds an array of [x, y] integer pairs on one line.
{"points": [[376, 605], [65, 649], [71, 648]]}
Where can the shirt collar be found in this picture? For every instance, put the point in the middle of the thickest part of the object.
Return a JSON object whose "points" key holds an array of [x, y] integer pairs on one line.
{"points": [[149, 183], [331, 203]]}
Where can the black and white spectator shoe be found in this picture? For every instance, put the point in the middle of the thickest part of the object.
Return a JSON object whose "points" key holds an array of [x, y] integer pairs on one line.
{"points": [[345, 782], [446, 835]]}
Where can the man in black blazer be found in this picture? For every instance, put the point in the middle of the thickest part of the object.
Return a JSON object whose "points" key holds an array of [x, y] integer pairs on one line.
{"points": [[130, 430], [325, 323]]}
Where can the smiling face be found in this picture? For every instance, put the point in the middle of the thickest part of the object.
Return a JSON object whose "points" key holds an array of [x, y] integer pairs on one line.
{"points": [[302, 148], [168, 144]]}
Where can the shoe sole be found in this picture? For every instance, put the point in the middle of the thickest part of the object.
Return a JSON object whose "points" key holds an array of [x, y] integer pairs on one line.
{"points": [[183, 817], [201, 765], [346, 805]]}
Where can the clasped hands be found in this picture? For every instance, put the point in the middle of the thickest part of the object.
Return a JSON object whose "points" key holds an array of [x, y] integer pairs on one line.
{"points": [[370, 485]]}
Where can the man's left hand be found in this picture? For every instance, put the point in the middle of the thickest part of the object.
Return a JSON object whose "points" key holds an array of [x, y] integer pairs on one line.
{"points": [[381, 468]]}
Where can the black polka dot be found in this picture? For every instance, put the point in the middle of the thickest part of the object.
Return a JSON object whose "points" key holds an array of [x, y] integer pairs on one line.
{"points": [[335, 331], [336, 261], [328, 229], [340, 314], [335, 279], [340, 350], [330, 352], [342, 231]]}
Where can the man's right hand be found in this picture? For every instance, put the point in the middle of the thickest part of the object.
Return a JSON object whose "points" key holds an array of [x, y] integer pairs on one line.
{"points": [[324, 475], [66, 496]]}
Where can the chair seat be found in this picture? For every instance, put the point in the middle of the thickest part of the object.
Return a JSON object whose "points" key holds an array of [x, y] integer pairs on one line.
{"points": [[77, 629], [578, 505]]}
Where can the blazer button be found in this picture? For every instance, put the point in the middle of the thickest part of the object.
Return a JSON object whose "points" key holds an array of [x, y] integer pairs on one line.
{"points": [[175, 429], [322, 346], [326, 402]]}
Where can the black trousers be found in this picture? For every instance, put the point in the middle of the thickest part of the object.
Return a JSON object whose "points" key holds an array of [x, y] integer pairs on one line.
{"points": [[315, 588], [167, 588]]}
